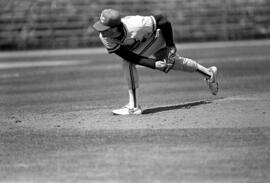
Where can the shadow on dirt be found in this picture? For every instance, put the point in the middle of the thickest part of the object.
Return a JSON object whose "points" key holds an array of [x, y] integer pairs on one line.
{"points": [[174, 107]]}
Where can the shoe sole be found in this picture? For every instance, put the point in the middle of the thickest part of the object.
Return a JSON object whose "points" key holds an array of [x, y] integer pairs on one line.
{"points": [[130, 113], [214, 70]]}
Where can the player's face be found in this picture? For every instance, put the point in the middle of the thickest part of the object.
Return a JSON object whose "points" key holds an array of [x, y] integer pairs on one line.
{"points": [[112, 32]]}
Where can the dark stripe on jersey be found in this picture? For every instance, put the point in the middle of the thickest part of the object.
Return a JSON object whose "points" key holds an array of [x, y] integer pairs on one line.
{"points": [[125, 33], [111, 50], [149, 45]]}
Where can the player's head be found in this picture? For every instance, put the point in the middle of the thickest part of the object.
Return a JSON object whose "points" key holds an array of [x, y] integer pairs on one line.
{"points": [[109, 18]]}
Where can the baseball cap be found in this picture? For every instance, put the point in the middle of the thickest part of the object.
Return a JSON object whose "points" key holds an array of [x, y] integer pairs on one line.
{"points": [[108, 18]]}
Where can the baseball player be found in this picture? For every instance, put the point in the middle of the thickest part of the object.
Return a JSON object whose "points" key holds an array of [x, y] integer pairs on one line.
{"points": [[139, 40]]}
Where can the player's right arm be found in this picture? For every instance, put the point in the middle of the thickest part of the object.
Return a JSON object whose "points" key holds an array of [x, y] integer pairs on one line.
{"points": [[135, 58]]}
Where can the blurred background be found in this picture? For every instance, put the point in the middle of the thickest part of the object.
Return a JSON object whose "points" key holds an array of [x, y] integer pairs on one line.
{"points": [[51, 24]]}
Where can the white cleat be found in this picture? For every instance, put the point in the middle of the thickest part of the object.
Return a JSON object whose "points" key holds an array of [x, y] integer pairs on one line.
{"points": [[212, 82], [127, 111]]}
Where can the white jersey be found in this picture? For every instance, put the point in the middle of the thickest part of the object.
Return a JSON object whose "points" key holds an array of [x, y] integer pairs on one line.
{"points": [[137, 30]]}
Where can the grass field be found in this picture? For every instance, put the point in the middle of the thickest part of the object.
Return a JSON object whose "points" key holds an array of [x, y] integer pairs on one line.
{"points": [[56, 123]]}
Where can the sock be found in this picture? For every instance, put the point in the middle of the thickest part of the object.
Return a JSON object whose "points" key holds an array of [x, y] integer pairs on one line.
{"points": [[132, 98], [204, 71], [189, 65]]}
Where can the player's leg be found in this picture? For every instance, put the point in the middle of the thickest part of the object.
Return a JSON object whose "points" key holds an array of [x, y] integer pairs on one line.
{"points": [[189, 65], [131, 74], [132, 79], [177, 62], [166, 63]]}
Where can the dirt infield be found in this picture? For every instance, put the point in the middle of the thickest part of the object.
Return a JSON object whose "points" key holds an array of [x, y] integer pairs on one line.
{"points": [[56, 123], [232, 112]]}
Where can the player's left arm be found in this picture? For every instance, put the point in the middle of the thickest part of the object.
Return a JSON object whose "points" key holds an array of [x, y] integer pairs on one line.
{"points": [[166, 27]]}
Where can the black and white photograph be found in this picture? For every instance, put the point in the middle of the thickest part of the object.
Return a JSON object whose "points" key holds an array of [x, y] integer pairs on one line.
{"points": [[134, 91]]}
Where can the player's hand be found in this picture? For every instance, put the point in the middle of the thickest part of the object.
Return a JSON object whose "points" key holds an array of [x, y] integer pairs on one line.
{"points": [[163, 65], [160, 65]]}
